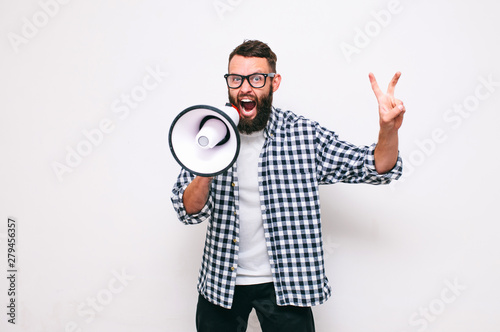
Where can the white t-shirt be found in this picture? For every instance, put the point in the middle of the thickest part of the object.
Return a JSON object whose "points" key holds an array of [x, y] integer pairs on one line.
{"points": [[253, 259]]}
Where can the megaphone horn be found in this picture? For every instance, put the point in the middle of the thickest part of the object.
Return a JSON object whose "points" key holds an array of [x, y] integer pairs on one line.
{"points": [[212, 132], [205, 140]]}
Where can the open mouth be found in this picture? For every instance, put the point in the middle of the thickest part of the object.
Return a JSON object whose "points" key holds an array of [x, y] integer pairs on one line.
{"points": [[247, 105]]}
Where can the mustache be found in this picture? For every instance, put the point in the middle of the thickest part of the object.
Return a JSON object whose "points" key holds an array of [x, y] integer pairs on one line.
{"points": [[246, 95]]}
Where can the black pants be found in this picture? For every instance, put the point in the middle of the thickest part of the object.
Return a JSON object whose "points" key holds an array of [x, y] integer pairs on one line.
{"points": [[272, 318]]}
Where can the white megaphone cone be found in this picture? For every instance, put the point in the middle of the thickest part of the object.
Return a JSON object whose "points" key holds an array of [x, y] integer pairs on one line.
{"points": [[211, 133], [205, 140]]}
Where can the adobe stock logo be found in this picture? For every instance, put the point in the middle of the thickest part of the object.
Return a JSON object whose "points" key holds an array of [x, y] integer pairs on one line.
{"points": [[30, 28], [425, 315], [453, 117], [92, 306], [363, 37], [121, 107], [223, 6]]}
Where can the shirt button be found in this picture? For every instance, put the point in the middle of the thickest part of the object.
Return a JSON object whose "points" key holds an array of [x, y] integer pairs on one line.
{"points": [[234, 240], [232, 268], [233, 184]]}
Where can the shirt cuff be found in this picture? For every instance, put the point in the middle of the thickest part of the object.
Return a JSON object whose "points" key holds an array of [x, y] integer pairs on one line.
{"points": [[394, 174], [195, 218]]}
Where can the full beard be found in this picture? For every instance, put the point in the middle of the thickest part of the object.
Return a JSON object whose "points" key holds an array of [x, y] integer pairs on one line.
{"points": [[264, 108]]}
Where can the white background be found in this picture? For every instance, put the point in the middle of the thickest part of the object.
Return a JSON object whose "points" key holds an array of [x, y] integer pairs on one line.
{"points": [[419, 255]]}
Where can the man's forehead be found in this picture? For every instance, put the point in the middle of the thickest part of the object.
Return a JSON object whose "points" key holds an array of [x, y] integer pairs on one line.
{"points": [[248, 65]]}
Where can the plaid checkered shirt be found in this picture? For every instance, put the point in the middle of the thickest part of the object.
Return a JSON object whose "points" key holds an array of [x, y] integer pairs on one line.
{"points": [[298, 155]]}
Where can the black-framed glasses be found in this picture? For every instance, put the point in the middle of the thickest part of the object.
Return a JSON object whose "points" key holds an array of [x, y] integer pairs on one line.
{"points": [[234, 81]]}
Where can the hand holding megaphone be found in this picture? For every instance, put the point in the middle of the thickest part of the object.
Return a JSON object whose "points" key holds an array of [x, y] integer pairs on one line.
{"points": [[205, 140]]}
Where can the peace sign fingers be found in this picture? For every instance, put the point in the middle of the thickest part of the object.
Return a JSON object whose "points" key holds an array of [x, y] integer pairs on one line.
{"points": [[390, 90], [392, 84], [391, 110]]}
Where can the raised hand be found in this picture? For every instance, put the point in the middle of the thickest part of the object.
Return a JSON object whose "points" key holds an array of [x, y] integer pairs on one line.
{"points": [[391, 110]]}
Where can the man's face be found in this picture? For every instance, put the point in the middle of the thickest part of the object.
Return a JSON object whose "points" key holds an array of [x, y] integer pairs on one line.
{"points": [[254, 104]]}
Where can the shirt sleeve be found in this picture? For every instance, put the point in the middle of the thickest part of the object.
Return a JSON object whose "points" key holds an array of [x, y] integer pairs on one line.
{"points": [[183, 180], [341, 161]]}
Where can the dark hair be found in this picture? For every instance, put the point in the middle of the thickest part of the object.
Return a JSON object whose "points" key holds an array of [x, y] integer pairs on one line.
{"points": [[258, 49]]}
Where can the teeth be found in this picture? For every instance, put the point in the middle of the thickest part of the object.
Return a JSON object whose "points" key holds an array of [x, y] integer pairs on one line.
{"points": [[246, 100]]}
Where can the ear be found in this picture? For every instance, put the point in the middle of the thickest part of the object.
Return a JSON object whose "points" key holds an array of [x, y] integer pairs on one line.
{"points": [[276, 82]]}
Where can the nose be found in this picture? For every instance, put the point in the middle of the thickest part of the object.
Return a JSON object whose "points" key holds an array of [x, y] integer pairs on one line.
{"points": [[245, 87]]}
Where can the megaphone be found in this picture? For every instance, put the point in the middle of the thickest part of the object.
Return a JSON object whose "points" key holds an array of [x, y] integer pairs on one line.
{"points": [[205, 140]]}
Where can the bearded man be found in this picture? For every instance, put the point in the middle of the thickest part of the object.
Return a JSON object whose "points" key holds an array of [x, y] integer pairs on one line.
{"points": [[263, 247]]}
